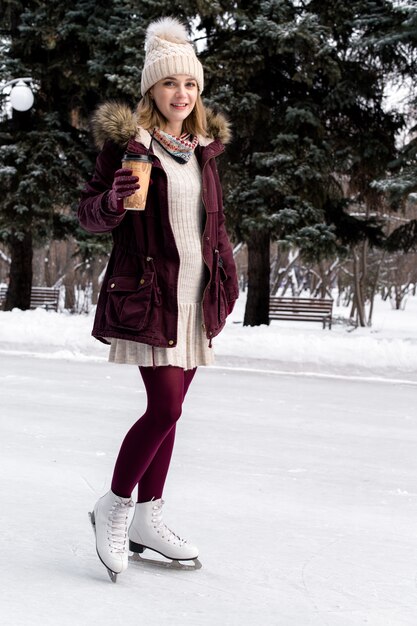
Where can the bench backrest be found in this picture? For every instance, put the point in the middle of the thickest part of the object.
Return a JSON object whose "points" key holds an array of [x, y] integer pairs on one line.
{"points": [[278, 303], [47, 297]]}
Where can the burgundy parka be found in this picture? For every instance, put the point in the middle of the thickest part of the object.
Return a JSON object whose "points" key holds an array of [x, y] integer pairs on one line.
{"points": [[138, 298]]}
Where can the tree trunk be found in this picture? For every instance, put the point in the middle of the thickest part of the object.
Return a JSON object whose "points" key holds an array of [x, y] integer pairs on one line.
{"points": [[47, 267], [359, 300], [96, 268], [257, 304], [374, 288], [364, 278], [69, 283], [20, 285]]}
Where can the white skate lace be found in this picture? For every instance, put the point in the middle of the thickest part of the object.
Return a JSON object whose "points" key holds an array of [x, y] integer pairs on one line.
{"points": [[161, 528], [117, 525]]}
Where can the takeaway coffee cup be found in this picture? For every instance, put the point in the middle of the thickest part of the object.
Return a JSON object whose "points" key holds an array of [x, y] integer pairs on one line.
{"points": [[141, 165]]}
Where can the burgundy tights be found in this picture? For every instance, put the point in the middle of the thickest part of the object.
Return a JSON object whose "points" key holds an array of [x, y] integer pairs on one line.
{"points": [[146, 450]]}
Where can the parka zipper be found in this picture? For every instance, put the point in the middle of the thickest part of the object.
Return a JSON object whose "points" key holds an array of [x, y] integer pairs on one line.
{"points": [[210, 334], [157, 289]]}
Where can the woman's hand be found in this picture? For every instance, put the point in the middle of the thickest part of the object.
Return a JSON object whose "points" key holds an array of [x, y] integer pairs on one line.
{"points": [[124, 185]]}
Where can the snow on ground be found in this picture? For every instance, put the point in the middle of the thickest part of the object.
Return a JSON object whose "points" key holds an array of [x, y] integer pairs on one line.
{"points": [[299, 491], [294, 472], [387, 349]]}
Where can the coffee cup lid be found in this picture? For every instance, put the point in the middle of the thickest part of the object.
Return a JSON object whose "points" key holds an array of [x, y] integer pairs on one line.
{"points": [[131, 156]]}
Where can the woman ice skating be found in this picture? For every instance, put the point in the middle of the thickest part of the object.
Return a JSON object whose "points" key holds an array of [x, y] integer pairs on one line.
{"points": [[170, 281]]}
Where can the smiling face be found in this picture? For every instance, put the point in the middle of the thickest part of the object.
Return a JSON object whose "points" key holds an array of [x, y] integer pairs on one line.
{"points": [[175, 97]]}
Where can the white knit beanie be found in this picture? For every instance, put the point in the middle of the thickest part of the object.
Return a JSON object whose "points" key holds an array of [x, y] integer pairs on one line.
{"points": [[168, 52]]}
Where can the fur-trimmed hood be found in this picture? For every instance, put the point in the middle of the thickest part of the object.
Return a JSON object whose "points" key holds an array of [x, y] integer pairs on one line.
{"points": [[116, 121]]}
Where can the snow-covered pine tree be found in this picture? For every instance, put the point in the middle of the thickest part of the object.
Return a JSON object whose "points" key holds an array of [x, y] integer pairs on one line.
{"points": [[43, 156], [269, 64], [303, 84], [400, 184], [374, 46]]}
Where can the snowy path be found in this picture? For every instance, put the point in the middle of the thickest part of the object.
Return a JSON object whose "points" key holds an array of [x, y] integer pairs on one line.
{"points": [[300, 492]]}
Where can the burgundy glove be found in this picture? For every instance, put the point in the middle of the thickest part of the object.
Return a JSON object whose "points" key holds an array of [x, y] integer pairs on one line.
{"points": [[124, 185]]}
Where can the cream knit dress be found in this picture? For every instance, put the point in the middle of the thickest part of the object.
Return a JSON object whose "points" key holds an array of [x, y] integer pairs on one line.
{"points": [[186, 215]]}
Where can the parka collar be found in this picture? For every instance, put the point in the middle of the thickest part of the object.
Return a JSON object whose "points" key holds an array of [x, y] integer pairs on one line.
{"points": [[117, 122], [204, 151]]}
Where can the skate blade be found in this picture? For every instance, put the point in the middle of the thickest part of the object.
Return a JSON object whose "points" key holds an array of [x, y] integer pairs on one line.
{"points": [[112, 575], [191, 565]]}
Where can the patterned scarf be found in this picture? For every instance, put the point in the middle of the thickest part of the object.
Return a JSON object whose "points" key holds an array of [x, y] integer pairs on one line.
{"points": [[180, 148]]}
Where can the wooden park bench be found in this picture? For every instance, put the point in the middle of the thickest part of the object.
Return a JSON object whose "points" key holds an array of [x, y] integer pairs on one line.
{"points": [[301, 309], [43, 297]]}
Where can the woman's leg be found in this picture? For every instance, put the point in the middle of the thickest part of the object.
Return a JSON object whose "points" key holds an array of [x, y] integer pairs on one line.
{"points": [[165, 387], [152, 483]]}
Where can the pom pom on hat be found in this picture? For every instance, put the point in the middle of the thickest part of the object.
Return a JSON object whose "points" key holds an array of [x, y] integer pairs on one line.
{"points": [[168, 28], [168, 52]]}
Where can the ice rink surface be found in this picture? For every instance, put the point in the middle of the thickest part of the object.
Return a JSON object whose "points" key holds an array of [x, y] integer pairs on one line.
{"points": [[300, 491]]}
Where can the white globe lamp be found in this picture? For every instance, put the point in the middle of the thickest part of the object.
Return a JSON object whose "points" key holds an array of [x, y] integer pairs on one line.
{"points": [[21, 96]]}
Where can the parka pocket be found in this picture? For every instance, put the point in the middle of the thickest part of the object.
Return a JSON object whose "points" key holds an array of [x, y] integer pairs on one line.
{"points": [[129, 301]]}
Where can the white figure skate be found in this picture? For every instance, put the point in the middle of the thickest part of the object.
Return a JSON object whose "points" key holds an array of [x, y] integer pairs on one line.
{"points": [[109, 520], [147, 530]]}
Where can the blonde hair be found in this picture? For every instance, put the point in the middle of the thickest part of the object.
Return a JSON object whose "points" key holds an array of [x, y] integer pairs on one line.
{"points": [[148, 116]]}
